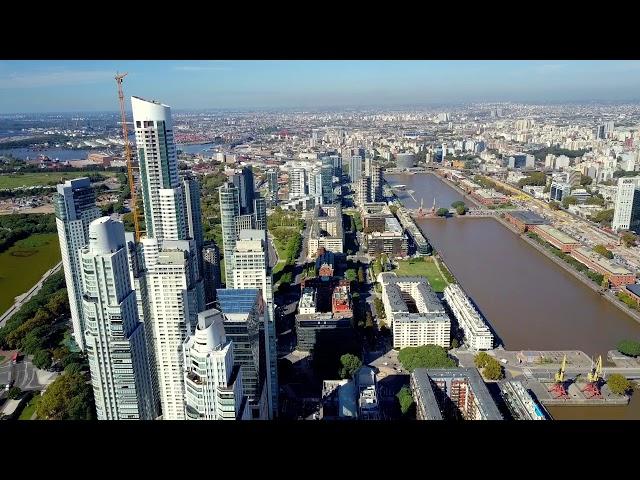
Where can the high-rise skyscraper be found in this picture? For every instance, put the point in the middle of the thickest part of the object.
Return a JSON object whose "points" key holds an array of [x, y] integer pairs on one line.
{"points": [[162, 192], [375, 173], [363, 191], [213, 382], [297, 183], [326, 174], [174, 299], [272, 182], [244, 182], [211, 272], [355, 168], [244, 312], [191, 189], [626, 213], [252, 271], [229, 211], [75, 207], [260, 213], [114, 336]]}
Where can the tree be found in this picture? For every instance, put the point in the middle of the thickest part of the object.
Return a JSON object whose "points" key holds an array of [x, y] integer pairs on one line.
{"points": [[585, 180], [461, 209], [426, 356], [69, 397], [457, 204], [350, 364], [361, 275], [405, 399], [481, 359], [351, 274], [379, 308], [569, 200], [42, 359], [553, 205], [630, 348], [442, 212], [629, 239], [604, 251], [455, 343], [618, 384], [493, 370], [14, 393]]}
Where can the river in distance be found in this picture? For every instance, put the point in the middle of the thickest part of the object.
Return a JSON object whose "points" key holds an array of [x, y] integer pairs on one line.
{"points": [[531, 303]]}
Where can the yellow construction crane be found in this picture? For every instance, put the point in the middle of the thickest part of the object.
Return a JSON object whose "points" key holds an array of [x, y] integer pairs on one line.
{"points": [[560, 373], [596, 372], [558, 387], [127, 153]]}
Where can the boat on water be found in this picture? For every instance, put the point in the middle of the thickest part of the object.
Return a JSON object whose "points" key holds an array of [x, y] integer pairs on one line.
{"points": [[399, 187]]}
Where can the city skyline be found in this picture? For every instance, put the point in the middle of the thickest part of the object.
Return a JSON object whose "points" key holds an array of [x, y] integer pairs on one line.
{"points": [[87, 86]]}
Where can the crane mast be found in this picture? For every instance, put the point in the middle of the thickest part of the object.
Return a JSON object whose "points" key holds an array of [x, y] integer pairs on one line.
{"points": [[127, 152]]}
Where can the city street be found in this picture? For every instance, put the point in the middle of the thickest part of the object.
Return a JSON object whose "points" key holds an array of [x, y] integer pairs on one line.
{"points": [[26, 376]]}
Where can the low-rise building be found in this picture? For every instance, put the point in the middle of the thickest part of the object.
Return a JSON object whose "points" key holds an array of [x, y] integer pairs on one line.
{"points": [[325, 263], [415, 314], [520, 403], [488, 197], [477, 333], [326, 229], [524, 220], [307, 304], [452, 393], [616, 274], [555, 237]]}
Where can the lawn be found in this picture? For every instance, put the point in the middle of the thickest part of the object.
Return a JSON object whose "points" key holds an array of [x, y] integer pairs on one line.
{"points": [[425, 267], [22, 265], [44, 178], [30, 408], [2, 357]]}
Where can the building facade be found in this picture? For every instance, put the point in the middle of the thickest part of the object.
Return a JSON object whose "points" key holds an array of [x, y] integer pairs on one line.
{"points": [[626, 213], [114, 337], [75, 209]]}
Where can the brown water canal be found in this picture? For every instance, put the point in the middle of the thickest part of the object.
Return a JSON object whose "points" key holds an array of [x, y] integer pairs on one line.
{"points": [[530, 302]]}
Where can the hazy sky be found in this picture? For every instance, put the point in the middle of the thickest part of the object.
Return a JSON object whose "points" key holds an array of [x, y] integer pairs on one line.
{"points": [[59, 86]]}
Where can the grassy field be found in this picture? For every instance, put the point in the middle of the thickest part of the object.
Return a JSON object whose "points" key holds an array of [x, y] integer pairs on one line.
{"points": [[425, 267], [22, 265], [30, 408], [44, 178]]}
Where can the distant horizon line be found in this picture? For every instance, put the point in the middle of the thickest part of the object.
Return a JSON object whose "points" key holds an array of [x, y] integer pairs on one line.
{"points": [[337, 108]]}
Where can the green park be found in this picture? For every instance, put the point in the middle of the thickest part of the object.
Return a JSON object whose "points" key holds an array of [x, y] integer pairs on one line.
{"points": [[17, 180], [425, 267], [22, 265]]}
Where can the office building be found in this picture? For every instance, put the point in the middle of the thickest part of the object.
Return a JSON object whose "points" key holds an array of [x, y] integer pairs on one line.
{"points": [[229, 211], [175, 297], [355, 168], [260, 213], [272, 182], [326, 176], [331, 329], [375, 173], [211, 271], [252, 271], [452, 393], [355, 398], [415, 313], [626, 213], [326, 230], [75, 209], [244, 326], [114, 337], [363, 191], [477, 334], [521, 160], [213, 382], [408, 160], [244, 182], [162, 193], [191, 189], [297, 183]]}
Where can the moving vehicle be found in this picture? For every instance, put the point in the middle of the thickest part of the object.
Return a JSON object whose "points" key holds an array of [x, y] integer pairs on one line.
{"points": [[15, 357]]}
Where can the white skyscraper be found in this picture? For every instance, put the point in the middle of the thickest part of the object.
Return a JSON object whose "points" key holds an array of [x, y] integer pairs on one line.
{"points": [[297, 183], [626, 213], [229, 213], [251, 270], [114, 337], [375, 173], [173, 304], [75, 207], [213, 384], [162, 193]]}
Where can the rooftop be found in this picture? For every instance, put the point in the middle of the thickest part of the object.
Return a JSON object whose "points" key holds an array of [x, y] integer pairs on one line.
{"points": [[528, 217], [603, 262], [557, 234]]}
